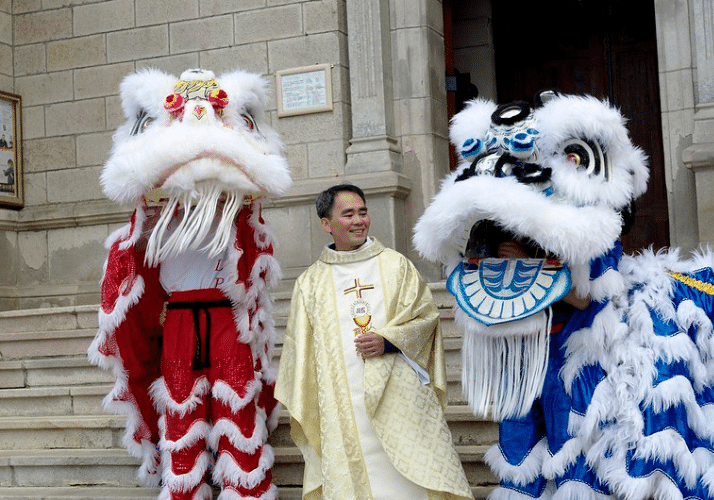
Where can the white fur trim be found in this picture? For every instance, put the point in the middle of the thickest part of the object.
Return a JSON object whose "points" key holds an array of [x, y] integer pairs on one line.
{"points": [[520, 474], [575, 490], [501, 493], [471, 123], [185, 482], [585, 116], [231, 494], [226, 394], [228, 470], [244, 158], [198, 430], [163, 401], [247, 444], [271, 420], [576, 234]]}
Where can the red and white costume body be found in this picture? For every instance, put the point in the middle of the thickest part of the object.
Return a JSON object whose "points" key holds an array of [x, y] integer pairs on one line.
{"points": [[185, 322], [222, 405]]}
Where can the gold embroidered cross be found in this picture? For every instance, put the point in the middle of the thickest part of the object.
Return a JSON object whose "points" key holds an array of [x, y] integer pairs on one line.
{"points": [[358, 289]]}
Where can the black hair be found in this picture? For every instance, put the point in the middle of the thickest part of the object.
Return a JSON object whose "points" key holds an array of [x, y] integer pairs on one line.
{"points": [[325, 200]]}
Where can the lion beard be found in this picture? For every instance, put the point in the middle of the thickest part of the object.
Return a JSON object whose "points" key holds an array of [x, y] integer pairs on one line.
{"points": [[202, 220]]}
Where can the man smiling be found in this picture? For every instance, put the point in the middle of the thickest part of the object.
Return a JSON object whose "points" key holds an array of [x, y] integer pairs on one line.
{"points": [[362, 369], [347, 220]]}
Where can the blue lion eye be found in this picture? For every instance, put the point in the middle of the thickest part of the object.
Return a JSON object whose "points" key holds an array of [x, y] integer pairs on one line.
{"points": [[471, 147], [532, 131]]}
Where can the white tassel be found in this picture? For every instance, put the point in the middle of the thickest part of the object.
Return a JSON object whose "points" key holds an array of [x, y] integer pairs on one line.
{"points": [[180, 229], [503, 375], [199, 223], [222, 233], [153, 246], [199, 227]]}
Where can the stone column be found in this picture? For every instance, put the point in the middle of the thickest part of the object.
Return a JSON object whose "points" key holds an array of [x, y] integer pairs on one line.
{"points": [[699, 157], [373, 147]]}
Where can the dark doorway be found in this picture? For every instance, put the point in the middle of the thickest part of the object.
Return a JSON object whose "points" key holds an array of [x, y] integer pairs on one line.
{"points": [[606, 48]]}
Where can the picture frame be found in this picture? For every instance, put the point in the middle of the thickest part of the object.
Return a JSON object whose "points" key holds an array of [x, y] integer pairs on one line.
{"points": [[11, 164], [304, 90]]}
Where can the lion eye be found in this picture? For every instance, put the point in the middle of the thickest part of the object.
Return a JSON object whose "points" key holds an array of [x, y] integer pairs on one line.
{"points": [[573, 158], [587, 155], [143, 120], [249, 122], [146, 123]]}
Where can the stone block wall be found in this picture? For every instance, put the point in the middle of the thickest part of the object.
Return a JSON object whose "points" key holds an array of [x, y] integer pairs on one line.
{"points": [[67, 58], [6, 45]]}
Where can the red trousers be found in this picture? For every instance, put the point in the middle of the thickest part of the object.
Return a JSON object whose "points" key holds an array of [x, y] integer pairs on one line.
{"points": [[208, 399]]}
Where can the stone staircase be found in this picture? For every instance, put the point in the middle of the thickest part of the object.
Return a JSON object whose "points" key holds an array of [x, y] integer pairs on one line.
{"points": [[56, 442]]}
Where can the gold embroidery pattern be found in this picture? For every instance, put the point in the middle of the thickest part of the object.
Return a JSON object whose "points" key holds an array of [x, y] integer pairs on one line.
{"points": [[358, 289], [707, 288], [406, 409], [362, 316]]}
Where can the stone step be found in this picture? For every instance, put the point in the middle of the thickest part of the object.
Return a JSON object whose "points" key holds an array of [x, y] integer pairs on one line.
{"points": [[116, 468], [87, 399], [104, 493], [100, 430], [63, 468], [68, 331], [46, 332], [79, 493], [33, 371], [61, 432], [53, 400], [57, 371], [75, 372]]}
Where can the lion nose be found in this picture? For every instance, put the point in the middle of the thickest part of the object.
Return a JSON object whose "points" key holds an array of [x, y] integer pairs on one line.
{"points": [[199, 112]]}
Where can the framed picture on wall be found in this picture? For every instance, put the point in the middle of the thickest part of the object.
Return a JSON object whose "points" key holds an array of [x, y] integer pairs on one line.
{"points": [[11, 172]]}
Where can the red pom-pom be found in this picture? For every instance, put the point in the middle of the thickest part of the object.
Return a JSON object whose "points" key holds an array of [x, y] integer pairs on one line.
{"points": [[174, 102], [218, 98]]}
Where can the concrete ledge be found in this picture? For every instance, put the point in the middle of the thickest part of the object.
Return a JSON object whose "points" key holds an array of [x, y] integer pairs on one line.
{"points": [[699, 156], [53, 432]]}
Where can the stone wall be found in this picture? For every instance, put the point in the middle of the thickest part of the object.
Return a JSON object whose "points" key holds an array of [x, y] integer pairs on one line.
{"points": [[6, 45], [69, 56], [387, 131]]}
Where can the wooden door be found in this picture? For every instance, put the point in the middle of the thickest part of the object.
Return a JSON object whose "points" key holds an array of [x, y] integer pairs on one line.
{"points": [[605, 48]]}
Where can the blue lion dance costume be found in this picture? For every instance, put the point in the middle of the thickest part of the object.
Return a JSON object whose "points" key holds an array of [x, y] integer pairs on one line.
{"points": [[599, 367]]}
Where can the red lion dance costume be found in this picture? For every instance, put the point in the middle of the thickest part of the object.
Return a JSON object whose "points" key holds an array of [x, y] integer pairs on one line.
{"points": [[185, 321]]}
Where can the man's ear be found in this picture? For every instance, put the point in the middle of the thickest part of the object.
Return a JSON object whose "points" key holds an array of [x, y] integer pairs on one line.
{"points": [[325, 223]]}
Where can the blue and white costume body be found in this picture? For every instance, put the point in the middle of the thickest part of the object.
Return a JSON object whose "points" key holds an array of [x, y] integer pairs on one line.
{"points": [[614, 401]]}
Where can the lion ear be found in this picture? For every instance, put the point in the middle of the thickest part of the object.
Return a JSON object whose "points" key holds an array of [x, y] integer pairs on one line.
{"points": [[545, 95], [470, 125], [145, 91], [247, 91]]}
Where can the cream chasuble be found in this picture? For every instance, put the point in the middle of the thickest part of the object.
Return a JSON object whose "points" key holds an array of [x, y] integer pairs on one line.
{"points": [[369, 430]]}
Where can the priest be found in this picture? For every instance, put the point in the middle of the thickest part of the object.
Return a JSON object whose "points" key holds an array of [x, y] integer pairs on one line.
{"points": [[362, 369]]}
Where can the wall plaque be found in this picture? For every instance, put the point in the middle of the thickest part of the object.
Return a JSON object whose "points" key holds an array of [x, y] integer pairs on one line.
{"points": [[304, 90]]}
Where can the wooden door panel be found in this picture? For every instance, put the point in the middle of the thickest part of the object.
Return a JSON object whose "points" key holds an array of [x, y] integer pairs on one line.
{"points": [[594, 47]]}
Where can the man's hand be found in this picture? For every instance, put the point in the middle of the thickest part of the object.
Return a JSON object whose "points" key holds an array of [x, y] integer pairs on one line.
{"points": [[369, 345]]}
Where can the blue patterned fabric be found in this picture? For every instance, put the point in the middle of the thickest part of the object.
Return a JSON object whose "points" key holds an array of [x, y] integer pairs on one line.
{"points": [[550, 415], [496, 290], [551, 412]]}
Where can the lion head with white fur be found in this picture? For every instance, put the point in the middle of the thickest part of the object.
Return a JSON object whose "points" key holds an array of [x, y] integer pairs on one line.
{"points": [[560, 179], [199, 145]]}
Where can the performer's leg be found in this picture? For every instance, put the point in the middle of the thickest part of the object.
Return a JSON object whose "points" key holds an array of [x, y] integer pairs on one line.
{"points": [[181, 396], [517, 459], [243, 459]]}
